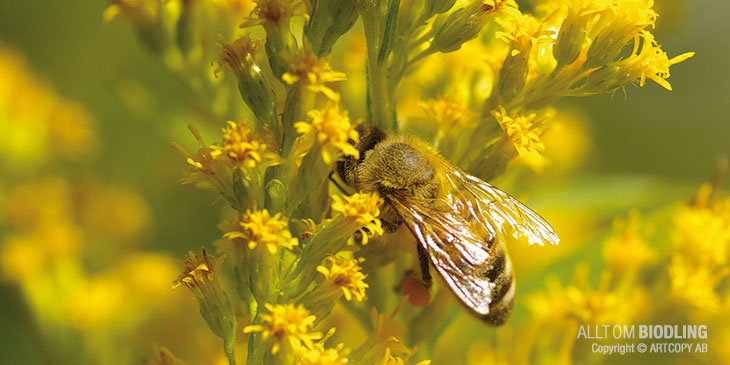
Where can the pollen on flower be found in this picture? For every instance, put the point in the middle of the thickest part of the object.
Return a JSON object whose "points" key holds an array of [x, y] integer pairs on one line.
{"points": [[523, 131], [240, 146], [347, 274], [332, 130], [313, 72], [363, 209], [286, 325], [259, 228]]}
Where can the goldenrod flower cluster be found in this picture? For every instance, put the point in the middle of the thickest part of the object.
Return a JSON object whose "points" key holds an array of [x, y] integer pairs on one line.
{"points": [[301, 241]]}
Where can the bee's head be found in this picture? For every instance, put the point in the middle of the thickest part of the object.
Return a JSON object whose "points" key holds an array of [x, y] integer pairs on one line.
{"points": [[369, 137]]}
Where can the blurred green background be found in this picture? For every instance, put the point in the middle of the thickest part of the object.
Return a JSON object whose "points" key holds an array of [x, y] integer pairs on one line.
{"points": [[646, 134]]}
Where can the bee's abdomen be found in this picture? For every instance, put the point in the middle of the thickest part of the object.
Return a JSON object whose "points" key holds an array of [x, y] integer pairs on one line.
{"points": [[503, 295]]}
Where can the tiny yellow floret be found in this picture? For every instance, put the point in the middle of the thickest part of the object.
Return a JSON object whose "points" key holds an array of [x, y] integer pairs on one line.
{"points": [[523, 131], [313, 72], [240, 146], [259, 228], [363, 209], [286, 325], [347, 274], [332, 130]]}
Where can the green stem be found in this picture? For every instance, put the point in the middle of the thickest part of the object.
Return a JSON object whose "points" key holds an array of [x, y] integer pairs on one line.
{"points": [[255, 353], [229, 348], [379, 103]]}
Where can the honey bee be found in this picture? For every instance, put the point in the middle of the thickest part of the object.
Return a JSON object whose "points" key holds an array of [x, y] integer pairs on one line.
{"points": [[459, 221]]}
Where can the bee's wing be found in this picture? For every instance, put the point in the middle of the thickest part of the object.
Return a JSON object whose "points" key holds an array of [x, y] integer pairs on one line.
{"points": [[505, 213], [460, 234]]}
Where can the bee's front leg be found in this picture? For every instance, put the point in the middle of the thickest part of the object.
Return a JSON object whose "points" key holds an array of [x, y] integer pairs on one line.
{"points": [[390, 220]]}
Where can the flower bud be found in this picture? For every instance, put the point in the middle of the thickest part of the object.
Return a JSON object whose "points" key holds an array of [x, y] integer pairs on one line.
{"points": [[462, 25], [200, 275], [239, 59], [571, 37]]}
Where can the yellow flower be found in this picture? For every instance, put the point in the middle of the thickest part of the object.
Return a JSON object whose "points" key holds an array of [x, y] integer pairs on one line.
{"points": [[321, 356], [448, 112], [286, 325], [633, 13], [702, 230], [518, 27], [200, 275], [618, 24], [259, 228], [332, 130], [206, 167], [37, 124], [347, 274], [695, 284], [649, 61], [523, 131], [363, 209], [579, 302], [241, 147], [626, 251], [389, 359], [384, 342], [198, 271], [313, 72]]}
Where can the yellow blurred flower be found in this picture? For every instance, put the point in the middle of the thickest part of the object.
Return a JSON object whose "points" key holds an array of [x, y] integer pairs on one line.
{"points": [[389, 359], [579, 303], [702, 230], [98, 302], [626, 251], [318, 355], [38, 125], [695, 284], [449, 113], [383, 344]]}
